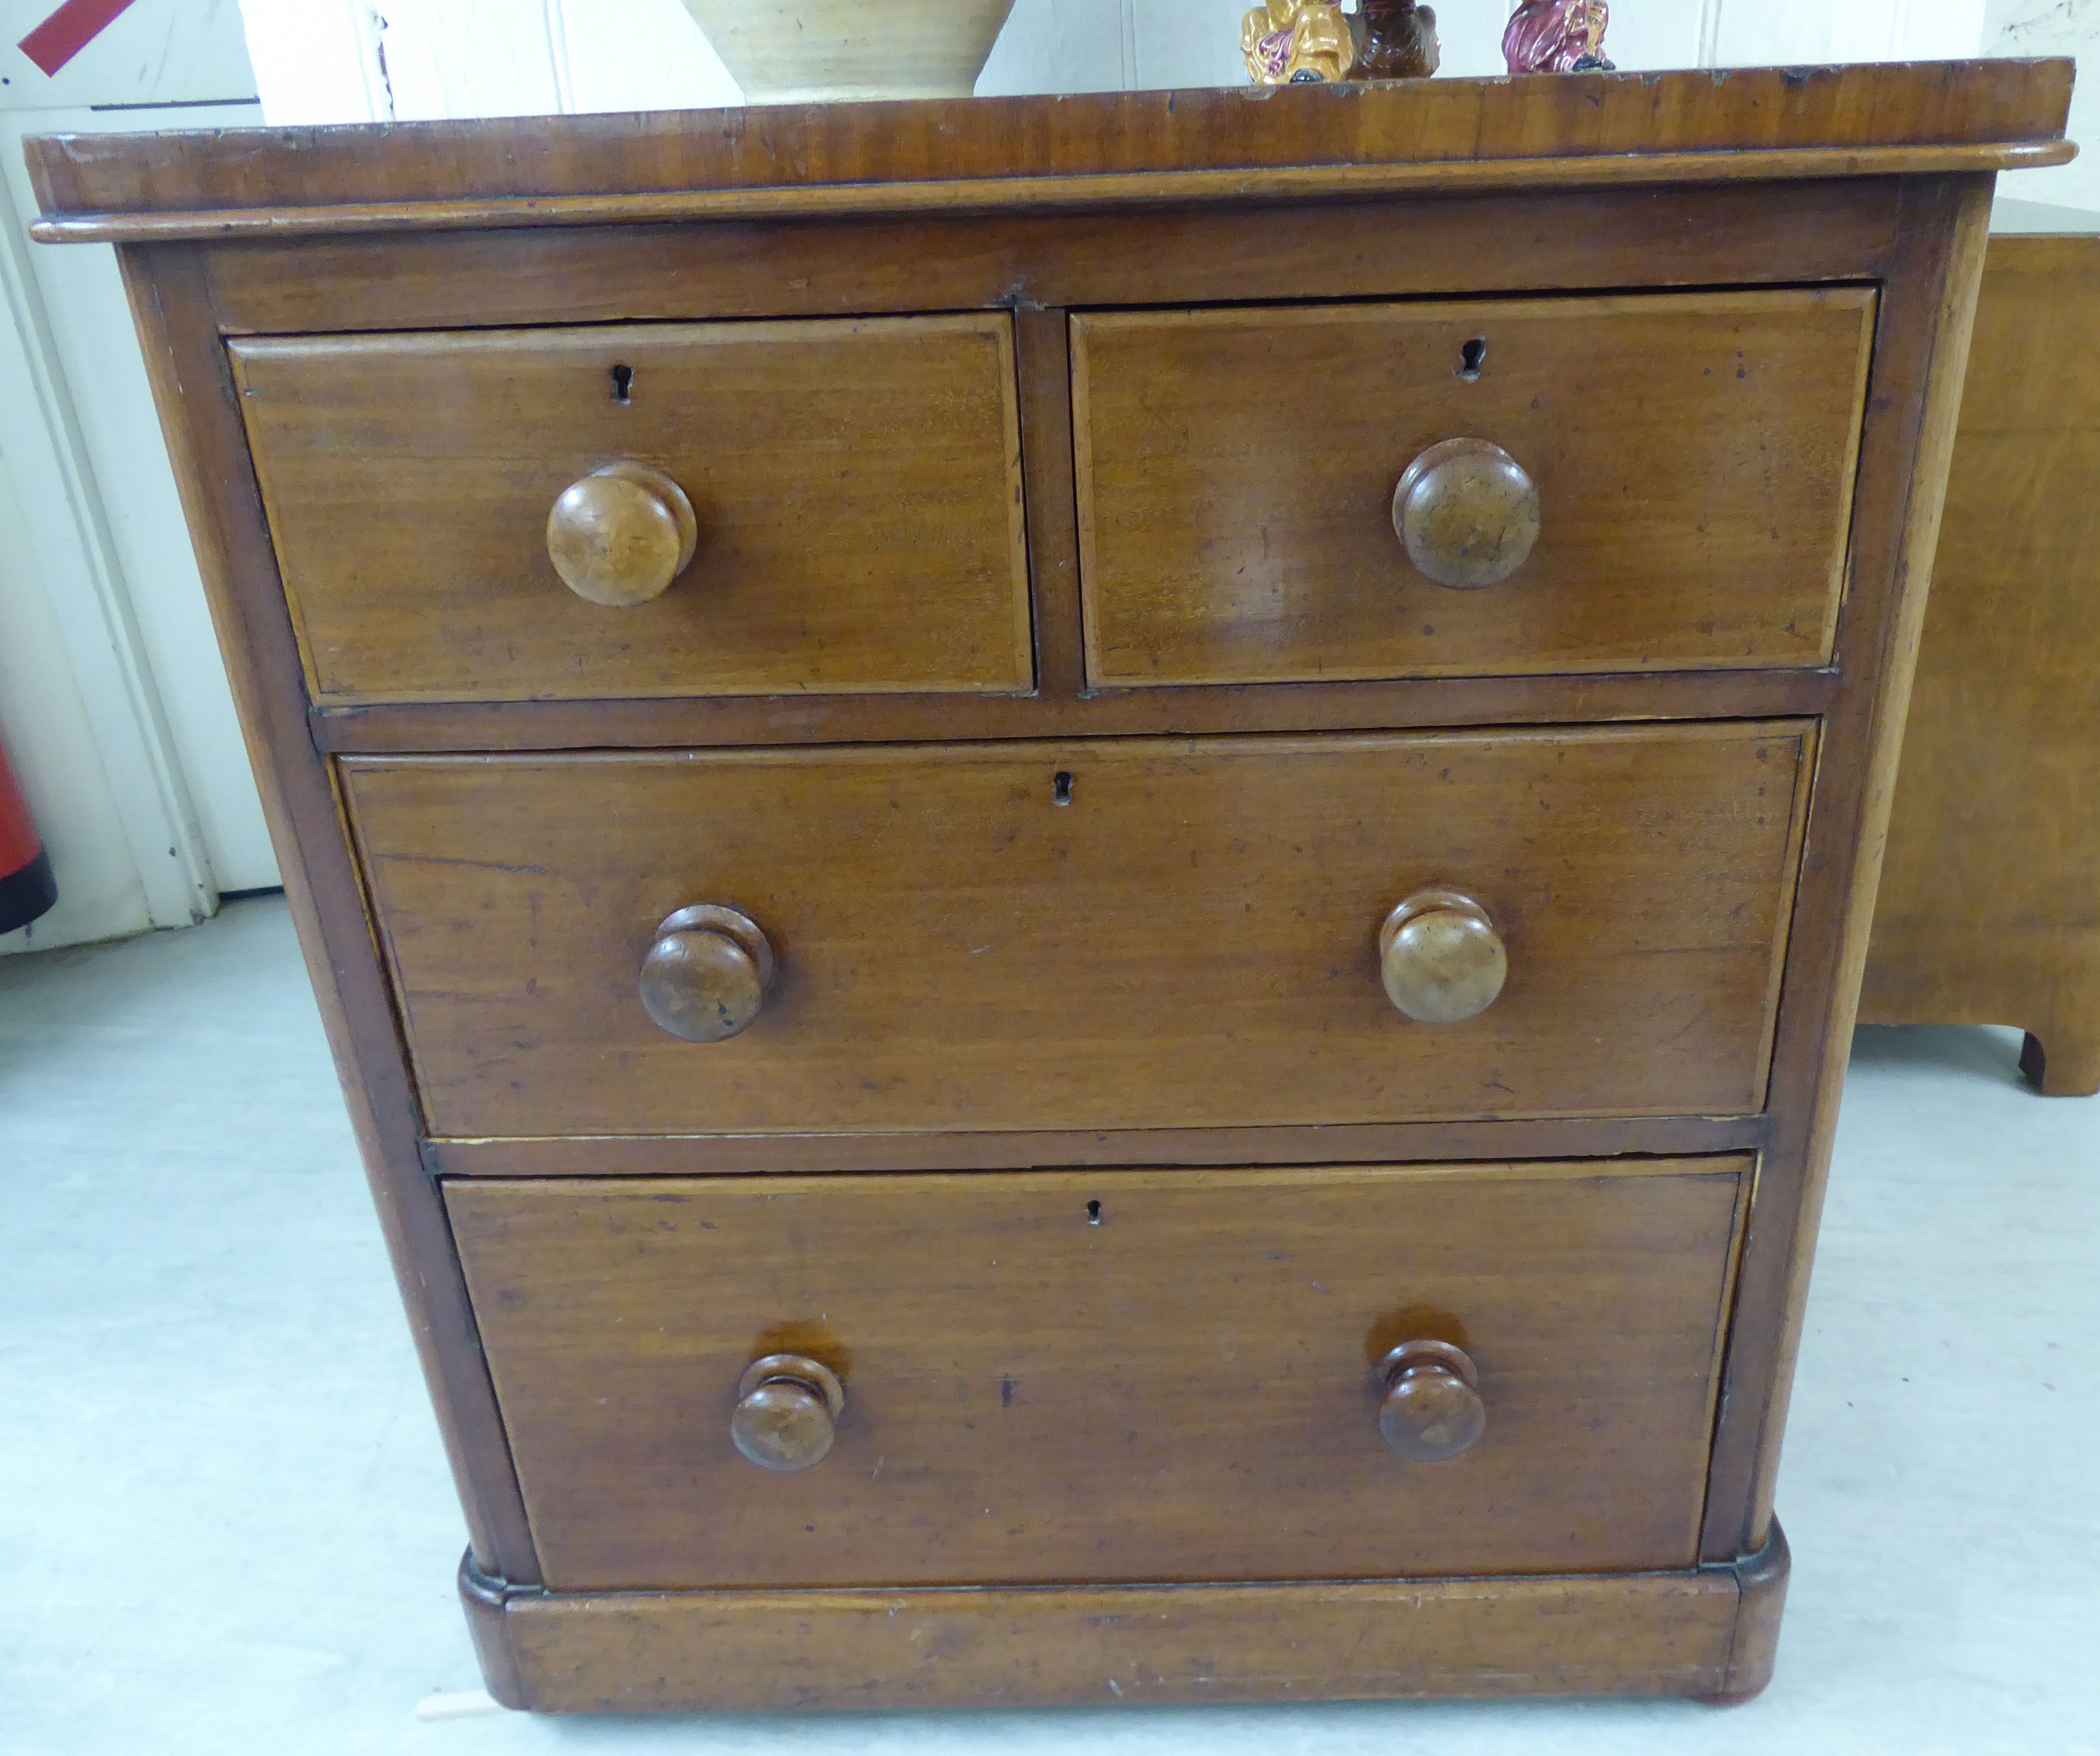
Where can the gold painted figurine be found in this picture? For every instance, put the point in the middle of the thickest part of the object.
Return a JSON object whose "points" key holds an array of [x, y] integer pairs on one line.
{"points": [[1557, 36], [1292, 42]]}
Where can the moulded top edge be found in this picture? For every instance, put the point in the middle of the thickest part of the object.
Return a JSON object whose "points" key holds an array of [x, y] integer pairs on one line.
{"points": [[957, 154]]}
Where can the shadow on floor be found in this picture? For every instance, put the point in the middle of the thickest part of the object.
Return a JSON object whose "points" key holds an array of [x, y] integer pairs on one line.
{"points": [[1988, 1053]]}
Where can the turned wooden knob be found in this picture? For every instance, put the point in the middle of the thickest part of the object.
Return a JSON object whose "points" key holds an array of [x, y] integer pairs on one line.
{"points": [[1468, 513], [707, 974], [621, 534], [1433, 1410], [1442, 959], [787, 1408]]}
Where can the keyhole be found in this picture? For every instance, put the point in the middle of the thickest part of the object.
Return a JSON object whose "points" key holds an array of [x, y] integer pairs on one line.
{"points": [[1060, 788], [623, 384], [1093, 1213], [1471, 357]]}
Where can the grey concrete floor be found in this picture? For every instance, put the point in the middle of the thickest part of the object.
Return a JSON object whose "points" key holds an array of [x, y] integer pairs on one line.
{"points": [[226, 1525]]}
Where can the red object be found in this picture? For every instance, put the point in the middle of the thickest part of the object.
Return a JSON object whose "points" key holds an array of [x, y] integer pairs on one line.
{"points": [[69, 30], [1557, 36], [26, 888]]}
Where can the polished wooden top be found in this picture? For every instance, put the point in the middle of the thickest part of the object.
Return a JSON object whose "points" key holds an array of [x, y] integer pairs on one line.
{"points": [[1094, 149]]}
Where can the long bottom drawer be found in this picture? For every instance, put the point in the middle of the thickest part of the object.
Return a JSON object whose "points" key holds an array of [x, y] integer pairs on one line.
{"points": [[1138, 1375]]}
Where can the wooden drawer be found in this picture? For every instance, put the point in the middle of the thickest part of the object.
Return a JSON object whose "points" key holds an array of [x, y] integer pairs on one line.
{"points": [[856, 487], [1693, 457], [1115, 1375], [1191, 939]]}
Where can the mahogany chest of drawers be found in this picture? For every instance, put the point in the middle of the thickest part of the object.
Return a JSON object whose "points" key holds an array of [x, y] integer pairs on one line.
{"points": [[1090, 871]]}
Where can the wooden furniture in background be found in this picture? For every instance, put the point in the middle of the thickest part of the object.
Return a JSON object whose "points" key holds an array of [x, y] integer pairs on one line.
{"points": [[1989, 896], [1119, 1048]]}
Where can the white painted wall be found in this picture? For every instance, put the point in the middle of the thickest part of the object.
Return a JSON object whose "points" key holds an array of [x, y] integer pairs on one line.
{"points": [[356, 60], [412, 60], [1757, 32], [2056, 27], [1091, 43]]}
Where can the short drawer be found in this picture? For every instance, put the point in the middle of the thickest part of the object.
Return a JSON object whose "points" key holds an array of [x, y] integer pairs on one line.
{"points": [[1117, 1375], [1115, 934], [1692, 458], [854, 489]]}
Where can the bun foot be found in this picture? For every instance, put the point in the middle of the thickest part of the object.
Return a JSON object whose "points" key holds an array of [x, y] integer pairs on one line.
{"points": [[2072, 1071]]}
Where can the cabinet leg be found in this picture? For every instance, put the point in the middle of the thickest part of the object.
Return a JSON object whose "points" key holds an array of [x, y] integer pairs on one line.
{"points": [[2069, 1067], [1762, 1580]]}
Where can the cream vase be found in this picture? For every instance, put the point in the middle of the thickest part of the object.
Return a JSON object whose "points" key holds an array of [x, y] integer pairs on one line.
{"points": [[815, 51]]}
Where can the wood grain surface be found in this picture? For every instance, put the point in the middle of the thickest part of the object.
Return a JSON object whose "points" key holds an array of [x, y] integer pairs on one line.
{"points": [[1763, 1577], [1191, 941], [1108, 1375], [1441, 244], [1647, 1634], [682, 723], [856, 486], [1990, 893], [1694, 455], [1766, 122]]}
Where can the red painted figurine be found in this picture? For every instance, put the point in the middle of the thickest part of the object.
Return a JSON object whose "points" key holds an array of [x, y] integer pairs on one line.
{"points": [[1557, 36]]}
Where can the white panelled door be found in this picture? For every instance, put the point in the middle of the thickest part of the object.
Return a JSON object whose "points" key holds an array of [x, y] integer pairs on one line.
{"points": [[111, 696]]}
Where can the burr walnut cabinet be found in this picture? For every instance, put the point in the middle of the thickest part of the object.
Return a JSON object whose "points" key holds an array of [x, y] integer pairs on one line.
{"points": [[1089, 872]]}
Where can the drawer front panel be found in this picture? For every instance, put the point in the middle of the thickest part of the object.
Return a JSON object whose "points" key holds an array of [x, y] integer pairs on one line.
{"points": [[1692, 456], [855, 486], [1192, 939], [1115, 1375]]}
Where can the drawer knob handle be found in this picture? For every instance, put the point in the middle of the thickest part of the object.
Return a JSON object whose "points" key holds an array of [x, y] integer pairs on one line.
{"points": [[621, 534], [1442, 959], [787, 1409], [1468, 513], [707, 974], [1433, 1410]]}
